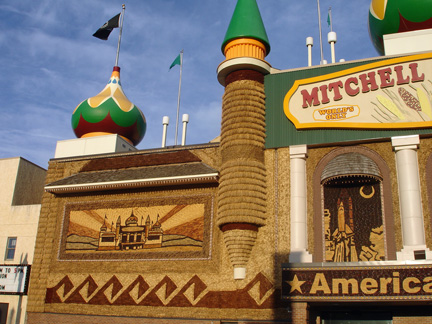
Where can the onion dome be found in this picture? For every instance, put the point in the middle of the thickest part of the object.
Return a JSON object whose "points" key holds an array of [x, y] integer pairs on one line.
{"points": [[104, 226], [109, 112], [131, 220], [246, 22], [157, 225], [396, 16]]}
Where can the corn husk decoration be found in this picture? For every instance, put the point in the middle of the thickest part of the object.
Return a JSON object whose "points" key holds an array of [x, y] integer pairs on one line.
{"points": [[391, 106], [424, 102]]}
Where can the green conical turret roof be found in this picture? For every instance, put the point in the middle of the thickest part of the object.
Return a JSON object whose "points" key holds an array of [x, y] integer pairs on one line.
{"points": [[246, 22]]}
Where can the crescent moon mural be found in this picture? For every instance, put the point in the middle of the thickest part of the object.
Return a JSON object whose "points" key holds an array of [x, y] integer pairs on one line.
{"points": [[369, 195]]}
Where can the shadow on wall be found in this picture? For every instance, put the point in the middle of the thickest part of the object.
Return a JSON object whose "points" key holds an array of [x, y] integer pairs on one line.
{"points": [[282, 307], [23, 261]]}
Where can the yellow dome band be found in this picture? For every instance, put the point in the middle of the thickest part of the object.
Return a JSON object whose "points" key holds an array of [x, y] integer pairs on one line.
{"points": [[245, 47]]}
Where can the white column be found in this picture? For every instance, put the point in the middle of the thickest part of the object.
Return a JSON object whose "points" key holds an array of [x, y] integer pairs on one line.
{"points": [[298, 201], [332, 41], [411, 209]]}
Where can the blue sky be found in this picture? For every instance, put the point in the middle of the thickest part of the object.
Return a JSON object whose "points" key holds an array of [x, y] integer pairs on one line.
{"points": [[51, 62]]}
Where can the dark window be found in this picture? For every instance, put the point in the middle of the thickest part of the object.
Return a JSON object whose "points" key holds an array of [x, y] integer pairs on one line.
{"points": [[357, 317], [10, 248]]}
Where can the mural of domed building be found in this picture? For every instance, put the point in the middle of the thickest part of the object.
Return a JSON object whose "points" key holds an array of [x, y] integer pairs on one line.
{"points": [[131, 236]]}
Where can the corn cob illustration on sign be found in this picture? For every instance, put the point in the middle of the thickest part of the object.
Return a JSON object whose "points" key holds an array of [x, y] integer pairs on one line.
{"points": [[389, 94]]}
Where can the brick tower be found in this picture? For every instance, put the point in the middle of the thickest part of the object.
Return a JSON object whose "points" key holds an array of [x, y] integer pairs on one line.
{"points": [[242, 190]]}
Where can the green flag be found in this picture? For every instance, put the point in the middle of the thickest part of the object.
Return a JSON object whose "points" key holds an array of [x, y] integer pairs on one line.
{"points": [[177, 61], [328, 19]]}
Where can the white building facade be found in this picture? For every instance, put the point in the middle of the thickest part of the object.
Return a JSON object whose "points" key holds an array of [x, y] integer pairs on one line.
{"points": [[21, 187]]}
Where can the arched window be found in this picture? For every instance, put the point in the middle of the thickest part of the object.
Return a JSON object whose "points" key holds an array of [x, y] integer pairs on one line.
{"points": [[351, 223]]}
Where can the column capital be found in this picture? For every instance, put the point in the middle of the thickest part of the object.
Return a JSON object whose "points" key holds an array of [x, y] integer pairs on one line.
{"points": [[298, 151], [410, 142]]}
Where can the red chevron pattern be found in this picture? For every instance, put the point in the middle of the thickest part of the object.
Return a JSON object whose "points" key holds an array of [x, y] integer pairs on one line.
{"points": [[257, 294]]}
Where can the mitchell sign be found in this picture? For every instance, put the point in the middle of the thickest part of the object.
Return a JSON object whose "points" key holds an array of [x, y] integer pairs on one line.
{"points": [[394, 93], [357, 283]]}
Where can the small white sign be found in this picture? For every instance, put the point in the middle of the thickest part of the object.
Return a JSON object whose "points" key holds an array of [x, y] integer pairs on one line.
{"points": [[13, 279]]}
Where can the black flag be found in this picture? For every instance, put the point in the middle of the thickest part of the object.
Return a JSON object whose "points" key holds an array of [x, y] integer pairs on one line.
{"points": [[107, 28]]}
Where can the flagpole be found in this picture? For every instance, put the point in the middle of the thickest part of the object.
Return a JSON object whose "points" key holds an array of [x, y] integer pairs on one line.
{"points": [[120, 34], [178, 99], [331, 20], [320, 32]]}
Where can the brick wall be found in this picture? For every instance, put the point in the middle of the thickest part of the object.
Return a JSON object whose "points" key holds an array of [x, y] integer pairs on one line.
{"points": [[410, 320], [299, 313], [49, 318]]}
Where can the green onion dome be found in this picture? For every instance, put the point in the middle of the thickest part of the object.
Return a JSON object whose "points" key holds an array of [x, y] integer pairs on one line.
{"points": [[396, 16], [109, 112]]}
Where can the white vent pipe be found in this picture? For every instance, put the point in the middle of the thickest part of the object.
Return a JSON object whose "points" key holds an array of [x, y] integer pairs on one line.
{"points": [[165, 122], [185, 120], [332, 41], [309, 44]]}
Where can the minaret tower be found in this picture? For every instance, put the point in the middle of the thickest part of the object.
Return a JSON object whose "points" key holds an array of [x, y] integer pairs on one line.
{"points": [[242, 190]]}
